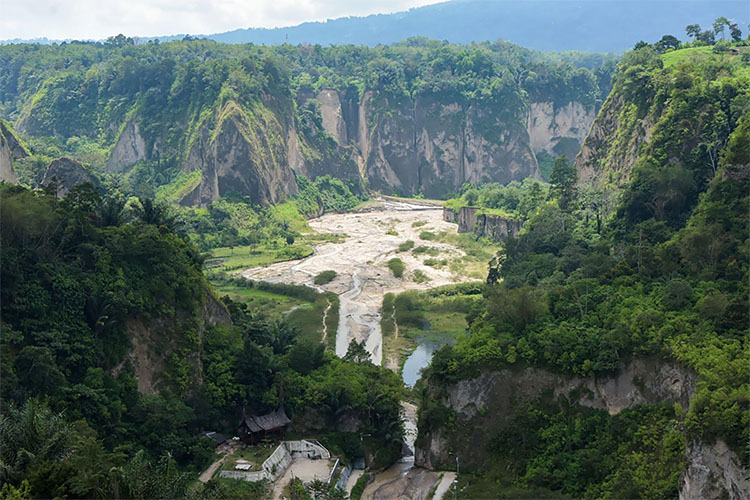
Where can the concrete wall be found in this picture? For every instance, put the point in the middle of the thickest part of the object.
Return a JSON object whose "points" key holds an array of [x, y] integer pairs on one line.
{"points": [[449, 215], [279, 461]]}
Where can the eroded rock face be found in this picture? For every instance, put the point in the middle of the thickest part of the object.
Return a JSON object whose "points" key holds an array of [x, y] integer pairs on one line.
{"points": [[607, 156], [434, 147], [484, 404], [68, 173], [10, 150], [149, 361], [240, 156], [558, 130], [333, 114], [129, 149], [713, 472]]}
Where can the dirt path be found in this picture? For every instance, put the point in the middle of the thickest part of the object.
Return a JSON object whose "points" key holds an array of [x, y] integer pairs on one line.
{"points": [[360, 263]]}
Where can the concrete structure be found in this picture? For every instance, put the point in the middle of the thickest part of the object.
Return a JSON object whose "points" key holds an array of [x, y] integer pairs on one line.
{"points": [[277, 464]]}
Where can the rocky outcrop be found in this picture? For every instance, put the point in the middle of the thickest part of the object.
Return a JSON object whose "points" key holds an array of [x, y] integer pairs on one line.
{"points": [[484, 404], [244, 153], [714, 471], [11, 149], [558, 130], [450, 215], [129, 149], [433, 147], [66, 173], [332, 114], [492, 226], [148, 355], [614, 143]]}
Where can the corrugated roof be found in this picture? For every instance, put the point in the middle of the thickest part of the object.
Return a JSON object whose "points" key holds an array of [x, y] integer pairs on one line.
{"points": [[267, 422]]}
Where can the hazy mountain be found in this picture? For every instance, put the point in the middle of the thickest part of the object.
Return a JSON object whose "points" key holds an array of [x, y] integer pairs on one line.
{"points": [[602, 26]]}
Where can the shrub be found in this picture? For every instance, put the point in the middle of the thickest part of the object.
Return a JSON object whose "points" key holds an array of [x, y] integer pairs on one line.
{"points": [[397, 267], [406, 246], [324, 277], [427, 235], [419, 277]]}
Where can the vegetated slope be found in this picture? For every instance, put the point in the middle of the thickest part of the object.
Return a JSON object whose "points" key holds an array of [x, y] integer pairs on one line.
{"points": [[117, 356], [537, 24], [212, 119], [615, 362]]}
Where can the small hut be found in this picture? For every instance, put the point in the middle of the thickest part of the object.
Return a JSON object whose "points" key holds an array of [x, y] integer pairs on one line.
{"points": [[270, 426]]}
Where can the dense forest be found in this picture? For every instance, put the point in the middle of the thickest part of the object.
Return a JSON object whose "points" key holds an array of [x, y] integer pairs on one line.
{"points": [[647, 263], [87, 277]]}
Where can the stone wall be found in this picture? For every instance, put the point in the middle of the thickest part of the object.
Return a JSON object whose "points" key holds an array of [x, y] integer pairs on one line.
{"points": [[472, 220]]}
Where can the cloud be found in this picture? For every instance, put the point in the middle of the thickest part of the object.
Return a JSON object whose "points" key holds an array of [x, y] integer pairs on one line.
{"points": [[97, 19]]}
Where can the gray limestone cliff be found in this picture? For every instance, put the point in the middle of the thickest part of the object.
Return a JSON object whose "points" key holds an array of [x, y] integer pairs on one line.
{"points": [[559, 130], [492, 226], [245, 154], [11, 149], [484, 404], [129, 149], [67, 173], [613, 144]]}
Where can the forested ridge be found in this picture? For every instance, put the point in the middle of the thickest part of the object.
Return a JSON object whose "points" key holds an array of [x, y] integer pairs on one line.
{"points": [[648, 263], [78, 99]]}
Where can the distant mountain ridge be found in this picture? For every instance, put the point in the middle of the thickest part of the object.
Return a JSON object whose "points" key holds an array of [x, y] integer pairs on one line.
{"points": [[549, 25]]}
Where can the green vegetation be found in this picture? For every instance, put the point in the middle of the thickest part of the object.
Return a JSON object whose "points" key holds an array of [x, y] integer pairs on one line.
{"points": [[406, 246], [435, 314], [396, 266], [660, 272], [516, 200], [324, 277], [427, 235], [88, 281], [418, 276]]}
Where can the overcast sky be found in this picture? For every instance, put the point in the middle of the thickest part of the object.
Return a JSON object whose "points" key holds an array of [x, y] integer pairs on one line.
{"points": [[96, 19]]}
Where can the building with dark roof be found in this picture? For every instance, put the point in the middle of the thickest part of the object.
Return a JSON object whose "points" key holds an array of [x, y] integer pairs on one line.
{"points": [[270, 426]]}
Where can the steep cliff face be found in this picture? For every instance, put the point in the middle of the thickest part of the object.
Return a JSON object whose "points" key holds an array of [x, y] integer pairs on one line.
{"points": [[713, 471], [149, 353], [613, 143], [11, 149], [433, 147], [129, 149], [68, 173], [332, 113], [558, 130], [244, 153], [484, 404]]}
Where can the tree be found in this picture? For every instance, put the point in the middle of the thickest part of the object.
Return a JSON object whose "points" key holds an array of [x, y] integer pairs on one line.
{"points": [[707, 37], [735, 32], [357, 353], [719, 25], [693, 30], [667, 42], [563, 180]]}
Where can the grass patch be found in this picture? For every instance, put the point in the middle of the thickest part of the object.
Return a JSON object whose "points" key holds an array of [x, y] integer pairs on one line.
{"points": [[255, 454], [418, 223], [392, 232], [424, 249], [324, 277], [396, 266], [419, 277], [427, 235], [406, 246]]}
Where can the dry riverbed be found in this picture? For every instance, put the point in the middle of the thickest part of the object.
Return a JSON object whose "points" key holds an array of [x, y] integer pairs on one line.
{"points": [[360, 261]]}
